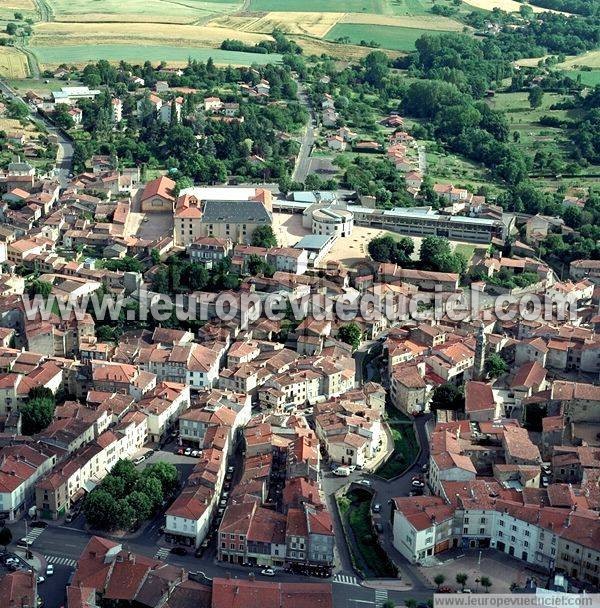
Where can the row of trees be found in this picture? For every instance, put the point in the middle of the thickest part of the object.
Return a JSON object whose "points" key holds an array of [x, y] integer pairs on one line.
{"points": [[435, 253], [126, 497]]}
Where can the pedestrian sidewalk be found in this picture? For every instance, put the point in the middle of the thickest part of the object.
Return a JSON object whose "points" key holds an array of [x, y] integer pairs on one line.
{"points": [[37, 561], [391, 584]]}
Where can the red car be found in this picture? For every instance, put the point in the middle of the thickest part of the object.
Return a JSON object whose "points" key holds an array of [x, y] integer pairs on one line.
{"points": [[180, 451]]}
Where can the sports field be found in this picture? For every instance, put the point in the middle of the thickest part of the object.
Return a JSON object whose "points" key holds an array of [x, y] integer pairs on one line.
{"points": [[13, 63], [389, 37], [137, 53]]}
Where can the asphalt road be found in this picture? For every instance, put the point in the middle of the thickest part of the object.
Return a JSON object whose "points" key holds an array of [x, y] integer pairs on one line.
{"points": [[308, 139], [64, 156]]}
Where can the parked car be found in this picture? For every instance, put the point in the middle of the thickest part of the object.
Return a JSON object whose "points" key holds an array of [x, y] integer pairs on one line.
{"points": [[40, 580], [376, 508], [178, 551], [69, 517], [195, 453], [416, 492], [149, 453], [23, 542], [188, 451], [342, 472], [139, 460], [425, 467], [365, 482], [545, 482], [38, 524], [179, 451], [49, 570], [378, 528], [417, 483], [230, 469], [268, 572]]}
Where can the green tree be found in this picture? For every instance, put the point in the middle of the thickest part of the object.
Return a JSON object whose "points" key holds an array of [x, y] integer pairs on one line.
{"points": [[126, 515], [5, 537], [439, 580], [264, 236], [535, 96], [388, 604], [11, 28], [100, 510], [37, 414], [486, 583], [461, 579], [447, 397], [160, 281], [37, 287], [350, 334], [410, 603], [152, 488], [495, 365], [155, 256], [127, 471], [141, 504], [166, 473]]}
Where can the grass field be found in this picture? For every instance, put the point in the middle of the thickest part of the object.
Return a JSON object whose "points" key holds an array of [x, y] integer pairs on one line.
{"points": [[424, 22], [161, 11], [590, 79], [591, 60], [389, 37], [83, 53], [13, 63]]}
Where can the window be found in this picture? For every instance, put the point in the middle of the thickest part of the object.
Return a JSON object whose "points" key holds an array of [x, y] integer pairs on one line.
{"points": [[526, 544], [526, 532], [481, 530]]}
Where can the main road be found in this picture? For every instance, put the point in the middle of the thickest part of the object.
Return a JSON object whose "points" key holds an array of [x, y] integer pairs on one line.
{"points": [[64, 156], [308, 138]]}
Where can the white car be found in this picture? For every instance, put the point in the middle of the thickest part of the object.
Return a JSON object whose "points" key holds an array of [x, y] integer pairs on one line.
{"points": [[195, 453], [416, 483], [268, 572], [40, 580], [49, 570], [365, 482], [188, 451]]}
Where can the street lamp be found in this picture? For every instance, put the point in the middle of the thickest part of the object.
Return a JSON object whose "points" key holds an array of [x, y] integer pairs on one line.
{"points": [[477, 580]]}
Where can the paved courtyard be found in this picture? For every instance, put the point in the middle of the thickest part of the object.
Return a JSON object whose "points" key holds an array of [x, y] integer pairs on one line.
{"points": [[501, 569]]}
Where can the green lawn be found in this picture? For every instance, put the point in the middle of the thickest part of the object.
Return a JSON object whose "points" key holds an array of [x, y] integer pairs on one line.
{"points": [[405, 445], [54, 55], [387, 36], [366, 550], [590, 79]]}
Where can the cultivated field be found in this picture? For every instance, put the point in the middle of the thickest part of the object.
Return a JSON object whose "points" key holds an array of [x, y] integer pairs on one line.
{"points": [[13, 63], [52, 56], [389, 37], [424, 22], [10, 124], [309, 24], [334, 6], [160, 11], [591, 60], [53, 33], [510, 6], [18, 5]]}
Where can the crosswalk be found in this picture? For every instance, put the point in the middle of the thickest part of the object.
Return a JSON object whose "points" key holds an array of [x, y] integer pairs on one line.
{"points": [[346, 579], [381, 596], [162, 553], [58, 560], [33, 534]]}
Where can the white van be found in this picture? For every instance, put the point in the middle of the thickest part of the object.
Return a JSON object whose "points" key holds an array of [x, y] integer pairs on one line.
{"points": [[342, 472]]}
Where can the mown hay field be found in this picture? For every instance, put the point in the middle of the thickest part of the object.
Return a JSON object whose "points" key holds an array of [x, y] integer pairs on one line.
{"points": [[316, 6], [424, 22], [13, 63]]}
